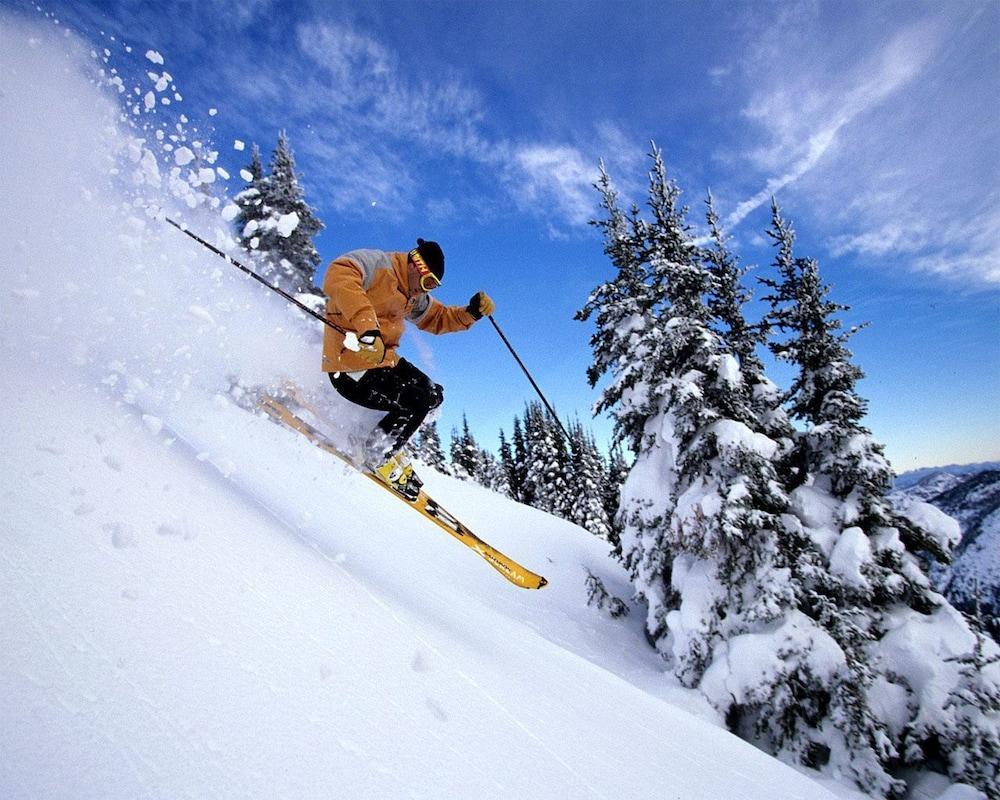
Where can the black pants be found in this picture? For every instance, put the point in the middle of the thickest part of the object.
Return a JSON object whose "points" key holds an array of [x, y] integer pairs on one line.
{"points": [[403, 391]]}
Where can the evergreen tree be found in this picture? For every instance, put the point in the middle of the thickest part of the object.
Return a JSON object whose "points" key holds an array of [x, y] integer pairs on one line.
{"points": [[251, 204], [728, 297], [616, 472], [623, 308], [465, 453], [510, 469], [971, 737], [599, 596], [276, 222], [565, 489], [705, 539], [491, 474], [866, 583], [546, 476], [284, 236], [518, 481], [428, 447], [587, 485]]}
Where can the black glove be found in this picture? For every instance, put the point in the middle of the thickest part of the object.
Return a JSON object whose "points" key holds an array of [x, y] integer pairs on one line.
{"points": [[480, 305]]}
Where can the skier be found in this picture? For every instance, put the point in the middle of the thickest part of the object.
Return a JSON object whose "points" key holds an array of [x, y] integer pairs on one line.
{"points": [[369, 295]]}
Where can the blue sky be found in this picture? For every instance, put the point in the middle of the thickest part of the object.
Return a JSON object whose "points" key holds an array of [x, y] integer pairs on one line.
{"points": [[481, 125]]}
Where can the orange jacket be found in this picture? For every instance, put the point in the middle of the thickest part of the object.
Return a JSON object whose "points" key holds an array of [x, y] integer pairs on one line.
{"points": [[368, 289]]}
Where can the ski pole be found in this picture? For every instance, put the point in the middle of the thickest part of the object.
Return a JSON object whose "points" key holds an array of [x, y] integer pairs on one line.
{"points": [[255, 276], [528, 374]]}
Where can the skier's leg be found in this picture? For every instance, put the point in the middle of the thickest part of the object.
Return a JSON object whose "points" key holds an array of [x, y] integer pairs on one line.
{"points": [[405, 393], [415, 396]]}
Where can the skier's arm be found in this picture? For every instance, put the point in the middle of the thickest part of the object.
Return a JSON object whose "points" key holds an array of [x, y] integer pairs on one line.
{"points": [[434, 317], [344, 286]]}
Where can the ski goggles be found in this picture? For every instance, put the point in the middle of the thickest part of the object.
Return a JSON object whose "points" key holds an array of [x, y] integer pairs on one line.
{"points": [[428, 280]]}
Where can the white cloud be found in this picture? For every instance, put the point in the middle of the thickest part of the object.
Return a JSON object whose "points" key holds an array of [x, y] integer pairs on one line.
{"points": [[555, 176], [804, 123], [377, 125], [556, 180], [355, 172], [360, 82], [966, 249], [719, 74], [245, 12], [888, 144]]}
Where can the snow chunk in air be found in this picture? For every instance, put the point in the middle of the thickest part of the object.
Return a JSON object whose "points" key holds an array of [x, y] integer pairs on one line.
{"points": [[287, 223], [155, 57]]}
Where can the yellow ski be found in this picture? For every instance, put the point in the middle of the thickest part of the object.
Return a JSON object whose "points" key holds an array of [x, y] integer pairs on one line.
{"points": [[424, 504]]}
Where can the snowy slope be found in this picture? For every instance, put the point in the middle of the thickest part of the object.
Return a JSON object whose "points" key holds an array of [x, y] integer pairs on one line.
{"points": [[173, 633], [197, 603], [974, 573]]}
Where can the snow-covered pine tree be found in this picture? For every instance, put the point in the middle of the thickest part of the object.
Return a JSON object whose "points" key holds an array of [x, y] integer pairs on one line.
{"points": [[251, 203], [519, 488], [720, 548], [616, 471], [727, 299], [565, 483], [428, 447], [867, 587], [465, 453], [623, 308], [491, 474], [728, 296], [285, 235], [510, 469], [599, 596], [705, 538], [972, 736], [588, 482], [546, 479]]}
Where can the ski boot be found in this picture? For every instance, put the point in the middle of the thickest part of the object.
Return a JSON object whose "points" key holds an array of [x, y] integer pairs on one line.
{"points": [[397, 473]]}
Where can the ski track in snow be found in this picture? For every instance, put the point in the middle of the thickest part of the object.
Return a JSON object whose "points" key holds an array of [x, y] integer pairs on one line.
{"points": [[407, 631]]}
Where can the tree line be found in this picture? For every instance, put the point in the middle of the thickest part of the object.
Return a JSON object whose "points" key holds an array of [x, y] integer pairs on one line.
{"points": [[538, 466], [776, 575]]}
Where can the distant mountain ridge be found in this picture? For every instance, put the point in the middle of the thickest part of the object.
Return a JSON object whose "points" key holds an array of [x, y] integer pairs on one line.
{"points": [[907, 479], [970, 494], [933, 484]]}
